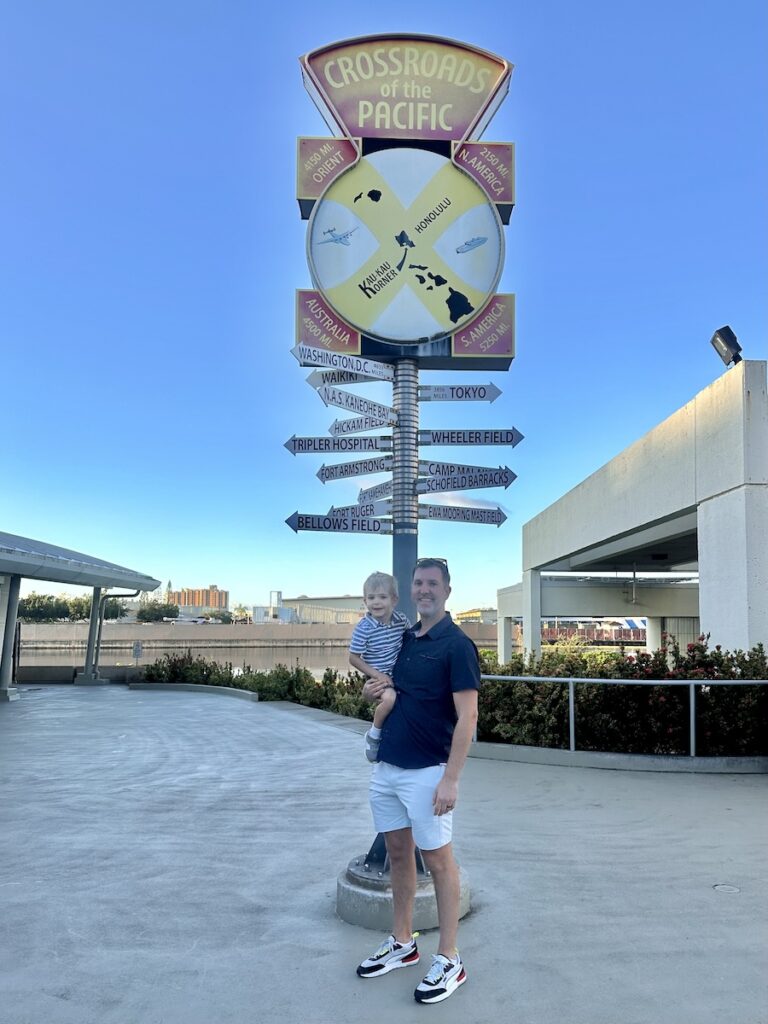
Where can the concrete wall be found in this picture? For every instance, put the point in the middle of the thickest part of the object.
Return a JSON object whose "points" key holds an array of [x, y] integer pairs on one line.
{"points": [[717, 442], [123, 634], [565, 599], [703, 470]]}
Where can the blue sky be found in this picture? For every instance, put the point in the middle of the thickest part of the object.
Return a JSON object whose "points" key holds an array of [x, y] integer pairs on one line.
{"points": [[150, 247]]}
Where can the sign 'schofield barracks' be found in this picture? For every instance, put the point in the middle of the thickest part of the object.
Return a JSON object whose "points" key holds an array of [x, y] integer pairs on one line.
{"points": [[405, 248]]}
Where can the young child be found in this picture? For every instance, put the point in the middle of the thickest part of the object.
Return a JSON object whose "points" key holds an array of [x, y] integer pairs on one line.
{"points": [[375, 645]]}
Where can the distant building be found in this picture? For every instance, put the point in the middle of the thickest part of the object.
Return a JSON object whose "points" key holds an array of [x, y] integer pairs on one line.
{"points": [[326, 610], [273, 615], [194, 602], [487, 616]]}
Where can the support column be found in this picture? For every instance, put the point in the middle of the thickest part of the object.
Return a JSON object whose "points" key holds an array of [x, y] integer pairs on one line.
{"points": [[89, 675], [733, 567], [504, 639], [532, 611], [405, 502], [653, 631], [9, 607]]}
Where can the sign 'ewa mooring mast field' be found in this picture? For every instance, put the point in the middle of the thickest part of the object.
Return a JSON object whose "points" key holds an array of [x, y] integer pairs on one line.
{"points": [[405, 248]]}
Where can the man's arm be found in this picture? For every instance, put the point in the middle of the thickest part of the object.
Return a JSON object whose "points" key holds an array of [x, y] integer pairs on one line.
{"points": [[447, 792]]}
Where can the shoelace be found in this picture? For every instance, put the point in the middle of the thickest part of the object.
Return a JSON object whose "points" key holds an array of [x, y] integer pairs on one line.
{"points": [[437, 971], [388, 946]]}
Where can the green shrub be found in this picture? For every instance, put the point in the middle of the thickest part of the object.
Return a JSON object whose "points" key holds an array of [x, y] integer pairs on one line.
{"points": [[648, 719], [529, 713]]}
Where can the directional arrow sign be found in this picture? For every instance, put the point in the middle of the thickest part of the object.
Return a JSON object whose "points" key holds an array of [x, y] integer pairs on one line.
{"points": [[337, 524], [431, 468], [510, 436], [365, 511], [356, 425], [501, 477], [318, 378], [331, 445], [458, 393], [343, 470], [308, 356], [356, 403], [377, 491], [458, 514]]}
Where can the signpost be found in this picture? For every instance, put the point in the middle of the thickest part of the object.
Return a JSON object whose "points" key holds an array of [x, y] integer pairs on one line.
{"points": [[433, 468], [344, 470], [306, 355], [332, 445], [405, 246], [481, 478], [374, 493], [355, 403], [371, 508], [458, 393], [460, 514], [318, 378], [509, 437], [337, 524]]}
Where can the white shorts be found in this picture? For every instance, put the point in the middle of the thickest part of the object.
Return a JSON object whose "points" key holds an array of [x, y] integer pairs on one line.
{"points": [[402, 798]]}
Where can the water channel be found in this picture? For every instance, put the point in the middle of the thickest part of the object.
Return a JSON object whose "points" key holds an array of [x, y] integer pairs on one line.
{"points": [[261, 659]]}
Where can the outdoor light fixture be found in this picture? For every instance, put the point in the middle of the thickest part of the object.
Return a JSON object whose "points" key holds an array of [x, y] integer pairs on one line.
{"points": [[725, 344]]}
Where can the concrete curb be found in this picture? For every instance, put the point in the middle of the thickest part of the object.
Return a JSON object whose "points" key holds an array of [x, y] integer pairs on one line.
{"points": [[621, 762], [229, 691], [529, 755]]}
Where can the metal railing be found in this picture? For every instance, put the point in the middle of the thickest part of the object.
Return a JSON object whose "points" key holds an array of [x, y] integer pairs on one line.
{"points": [[573, 680]]}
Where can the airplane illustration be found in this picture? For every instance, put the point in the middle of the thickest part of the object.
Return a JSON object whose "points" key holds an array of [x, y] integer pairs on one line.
{"points": [[473, 243], [340, 239]]}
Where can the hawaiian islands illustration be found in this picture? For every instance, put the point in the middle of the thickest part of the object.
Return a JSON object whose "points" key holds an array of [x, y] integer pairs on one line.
{"points": [[458, 304]]}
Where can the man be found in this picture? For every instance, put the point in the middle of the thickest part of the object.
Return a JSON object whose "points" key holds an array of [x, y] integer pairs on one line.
{"points": [[415, 785]]}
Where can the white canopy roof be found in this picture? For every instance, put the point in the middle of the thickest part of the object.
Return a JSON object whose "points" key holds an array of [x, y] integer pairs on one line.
{"points": [[35, 559]]}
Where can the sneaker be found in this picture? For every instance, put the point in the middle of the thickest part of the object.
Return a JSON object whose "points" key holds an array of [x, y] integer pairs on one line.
{"points": [[441, 980], [388, 957], [372, 747]]}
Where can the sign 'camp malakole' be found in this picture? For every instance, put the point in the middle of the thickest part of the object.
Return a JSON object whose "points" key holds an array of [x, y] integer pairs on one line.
{"points": [[405, 242]]}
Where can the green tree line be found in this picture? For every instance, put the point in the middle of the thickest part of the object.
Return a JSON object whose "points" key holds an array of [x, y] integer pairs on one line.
{"points": [[47, 608]]}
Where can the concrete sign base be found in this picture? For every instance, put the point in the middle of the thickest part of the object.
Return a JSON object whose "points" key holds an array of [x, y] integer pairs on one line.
{"points": [[364, 898]]}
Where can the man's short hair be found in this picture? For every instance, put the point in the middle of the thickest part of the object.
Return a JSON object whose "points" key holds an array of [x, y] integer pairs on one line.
{"points": [[433, 563], [381, 579]]}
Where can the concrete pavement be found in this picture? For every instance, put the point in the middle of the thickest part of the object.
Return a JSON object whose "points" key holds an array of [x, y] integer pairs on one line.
{"points": [[172, 857]]}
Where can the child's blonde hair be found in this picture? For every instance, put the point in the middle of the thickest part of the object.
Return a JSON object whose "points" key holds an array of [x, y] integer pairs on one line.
{"points": [[381, 579]]}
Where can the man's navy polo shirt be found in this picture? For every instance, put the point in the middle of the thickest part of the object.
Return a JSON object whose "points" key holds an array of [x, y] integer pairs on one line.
{"points": [[428, 671]]}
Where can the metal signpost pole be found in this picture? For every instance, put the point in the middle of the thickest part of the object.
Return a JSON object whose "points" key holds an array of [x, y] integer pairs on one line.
{"points": [[405, 501]]}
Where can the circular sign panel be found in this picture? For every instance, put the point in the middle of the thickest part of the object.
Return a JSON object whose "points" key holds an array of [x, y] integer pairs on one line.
{"points": [[405, 246]]}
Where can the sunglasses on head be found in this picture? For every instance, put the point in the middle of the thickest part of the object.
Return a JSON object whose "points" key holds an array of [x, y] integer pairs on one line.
{"points": [[435, 563]]}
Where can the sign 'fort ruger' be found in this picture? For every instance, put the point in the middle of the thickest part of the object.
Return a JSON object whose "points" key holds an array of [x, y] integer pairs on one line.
{"points": [[405, 242]]}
